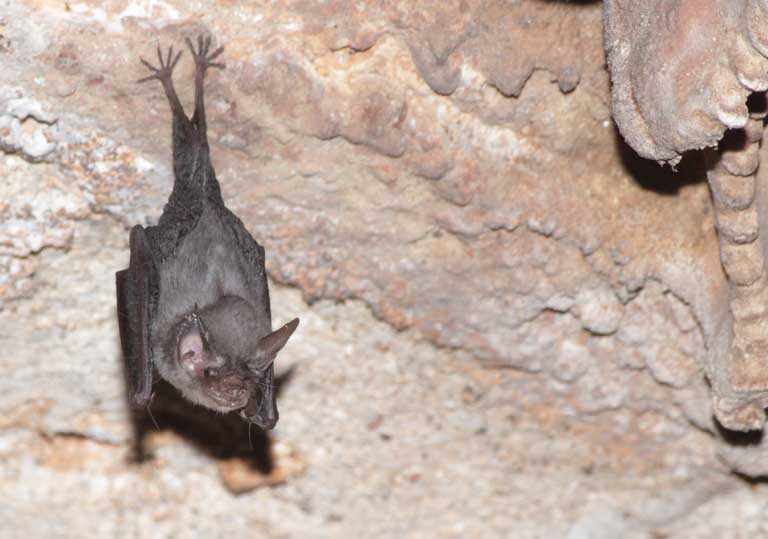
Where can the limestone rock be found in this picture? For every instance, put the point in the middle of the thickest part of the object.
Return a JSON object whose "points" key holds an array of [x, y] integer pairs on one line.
{"points": [[497, 297]]}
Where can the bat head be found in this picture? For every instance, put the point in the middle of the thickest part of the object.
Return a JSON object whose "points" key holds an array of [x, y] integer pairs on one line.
{"points": [[222, 359]]}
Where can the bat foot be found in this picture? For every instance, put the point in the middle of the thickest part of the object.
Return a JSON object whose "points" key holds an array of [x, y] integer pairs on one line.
{"points": [[202, 55], [162, 73]]}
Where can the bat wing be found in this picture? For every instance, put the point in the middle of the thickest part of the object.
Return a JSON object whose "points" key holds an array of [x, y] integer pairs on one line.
{"points": [[262, 409], [137, 293]]}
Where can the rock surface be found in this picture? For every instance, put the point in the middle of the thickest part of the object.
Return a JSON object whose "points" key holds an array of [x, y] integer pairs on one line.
{"points": [[681, 75], [682, 72], [504, 311]]}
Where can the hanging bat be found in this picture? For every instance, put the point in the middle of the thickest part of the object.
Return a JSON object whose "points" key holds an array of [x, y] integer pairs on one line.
{"points": [[193, 304]]}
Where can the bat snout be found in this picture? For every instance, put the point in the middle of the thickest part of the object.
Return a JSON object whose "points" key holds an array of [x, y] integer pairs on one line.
{"points": [[260, 411], [229, 392]]}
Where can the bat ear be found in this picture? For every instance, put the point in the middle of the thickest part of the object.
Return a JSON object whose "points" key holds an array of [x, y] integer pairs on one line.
{"points": [[269, 346]]}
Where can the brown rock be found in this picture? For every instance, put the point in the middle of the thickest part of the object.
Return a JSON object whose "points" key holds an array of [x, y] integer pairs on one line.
{"points": [[239, 475]]}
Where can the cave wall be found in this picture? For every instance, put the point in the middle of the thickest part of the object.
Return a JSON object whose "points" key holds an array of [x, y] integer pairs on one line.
{"points": [[500, 301]]}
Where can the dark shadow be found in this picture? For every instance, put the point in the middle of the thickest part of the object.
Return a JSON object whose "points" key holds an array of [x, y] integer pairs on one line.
{"points": [[733, 140], [662, 179], [739, 439], [743, 439], [757, 103], [222, 436], [752, 480], [694, 164]]}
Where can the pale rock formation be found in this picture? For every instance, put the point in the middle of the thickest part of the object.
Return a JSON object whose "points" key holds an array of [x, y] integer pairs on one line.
{"points": [[506, 315]]}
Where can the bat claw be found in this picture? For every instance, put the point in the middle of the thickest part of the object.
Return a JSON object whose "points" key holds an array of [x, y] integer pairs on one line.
{"points": [[203, 60], [162, 73]]}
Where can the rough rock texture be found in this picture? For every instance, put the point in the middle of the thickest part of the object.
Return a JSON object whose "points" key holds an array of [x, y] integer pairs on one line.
{"points": [[681, 75], [505, 313], [682, 72]]}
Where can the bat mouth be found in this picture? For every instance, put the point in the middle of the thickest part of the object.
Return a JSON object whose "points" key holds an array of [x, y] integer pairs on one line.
{"points": [[229, 392]]}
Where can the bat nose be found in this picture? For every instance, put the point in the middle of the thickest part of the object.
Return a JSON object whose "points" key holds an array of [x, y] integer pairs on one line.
{"points": [[264, 415], [266, 422]]}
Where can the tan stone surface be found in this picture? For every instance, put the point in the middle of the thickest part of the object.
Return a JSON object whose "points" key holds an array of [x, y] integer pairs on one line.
{"points": [[682, 74], [508, 311]]}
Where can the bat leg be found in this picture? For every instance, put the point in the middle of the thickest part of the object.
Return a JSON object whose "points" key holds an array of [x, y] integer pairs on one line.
{"points": [[203, 60], [164, 75]]}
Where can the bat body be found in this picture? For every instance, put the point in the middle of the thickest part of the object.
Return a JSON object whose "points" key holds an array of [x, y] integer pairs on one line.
{"points": [[193, 305]]}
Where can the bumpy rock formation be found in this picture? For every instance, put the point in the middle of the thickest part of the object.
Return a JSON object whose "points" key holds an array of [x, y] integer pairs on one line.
{"points": [[498, 298], [681, 76], [682, 72]]}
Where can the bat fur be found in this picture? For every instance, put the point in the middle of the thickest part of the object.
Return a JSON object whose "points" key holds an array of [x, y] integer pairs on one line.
{"points": [[193, 305]]}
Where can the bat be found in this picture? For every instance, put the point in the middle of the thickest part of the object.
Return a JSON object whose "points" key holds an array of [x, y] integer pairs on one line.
{"points": [[193, 304]]}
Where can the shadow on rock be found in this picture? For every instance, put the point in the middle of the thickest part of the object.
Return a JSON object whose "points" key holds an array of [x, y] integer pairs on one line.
{"points": [[739, 439], [662, 179], [222, 436]]}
